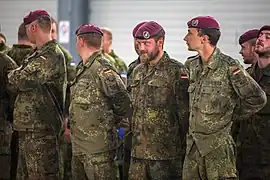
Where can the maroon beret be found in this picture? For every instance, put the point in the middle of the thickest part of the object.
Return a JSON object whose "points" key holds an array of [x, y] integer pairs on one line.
{"points": [[34, 15], [148, 30], [251, 34], [265, 27], [88, 28], [203, 22], [137, 27]]}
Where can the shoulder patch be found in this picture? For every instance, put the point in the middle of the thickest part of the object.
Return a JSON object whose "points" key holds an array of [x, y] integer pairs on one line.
{"points": [[236, 71], [107, 71]]}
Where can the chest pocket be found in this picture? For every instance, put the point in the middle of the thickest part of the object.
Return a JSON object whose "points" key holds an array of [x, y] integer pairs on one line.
{"points": [[191, 90], [158, 93], [214, 98], [81, 91]]}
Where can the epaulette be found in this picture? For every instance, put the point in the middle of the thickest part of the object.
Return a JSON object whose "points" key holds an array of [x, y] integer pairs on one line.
{"points": [[177, 63], [229, 60], [105, 63]]}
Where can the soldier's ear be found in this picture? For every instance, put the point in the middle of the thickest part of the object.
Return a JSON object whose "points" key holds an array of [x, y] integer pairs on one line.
{"points": [[160, 42], [205, 38]]}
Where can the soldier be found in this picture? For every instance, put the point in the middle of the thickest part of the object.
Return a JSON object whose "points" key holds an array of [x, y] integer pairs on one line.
{"points": [[133, 64], [127, 132], [247, 42], [245, 141], [160, 102], [255, 148], [40, 83], [217, 84], [3, 47], [20, 50], [54, 36], [118, 63], [65, 144], [6, 117], [99, 101]]}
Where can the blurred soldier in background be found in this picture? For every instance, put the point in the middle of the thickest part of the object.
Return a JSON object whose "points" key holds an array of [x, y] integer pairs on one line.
{"points": [[247, 42], [19, 51], [255, 147], [107, 49], [3, 47], [6, 116], [243, 131], [65, 144]]}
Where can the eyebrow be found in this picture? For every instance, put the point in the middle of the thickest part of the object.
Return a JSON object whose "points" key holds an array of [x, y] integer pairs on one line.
{"points": [[265, 33]]}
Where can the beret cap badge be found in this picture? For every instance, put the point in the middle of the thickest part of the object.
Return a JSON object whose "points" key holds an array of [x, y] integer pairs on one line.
{"points": [[146, 34], [195, 22]]}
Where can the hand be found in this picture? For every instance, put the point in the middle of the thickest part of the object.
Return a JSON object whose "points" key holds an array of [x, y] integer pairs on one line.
{"points": [[67, 135]]}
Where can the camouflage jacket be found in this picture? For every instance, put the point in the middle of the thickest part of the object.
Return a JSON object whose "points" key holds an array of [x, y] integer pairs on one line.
{"points": [[18, 52], [131, 67], [249, 69], [160, 110], [119, 63], [6, 97], [98, 102], [215, 90], [261, 125], [71, 75], [66, 53], [34, 109]]}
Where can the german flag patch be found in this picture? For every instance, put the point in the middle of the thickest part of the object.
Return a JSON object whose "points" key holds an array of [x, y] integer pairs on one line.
{"points": [[183, 76], [107, 71], [236, 71]]}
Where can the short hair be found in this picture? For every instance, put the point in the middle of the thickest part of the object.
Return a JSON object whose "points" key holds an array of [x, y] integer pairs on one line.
{"points": [[92, 39], [45, 23], [53, 20], [108, 32], [212, 33], [22, 32], [252, 42], [160, 35]]}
